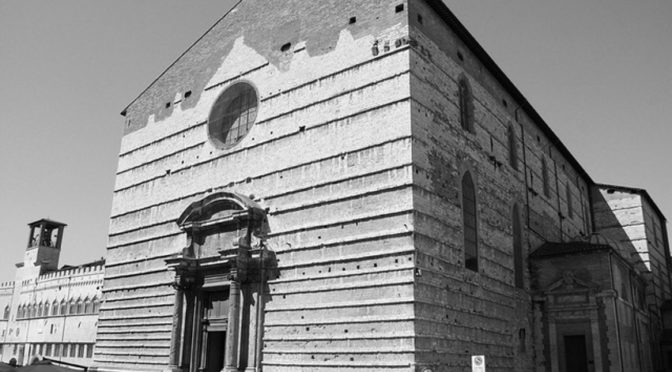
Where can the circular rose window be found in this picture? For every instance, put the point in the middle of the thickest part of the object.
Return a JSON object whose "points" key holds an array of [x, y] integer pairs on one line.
{"points": [[232, 115]]}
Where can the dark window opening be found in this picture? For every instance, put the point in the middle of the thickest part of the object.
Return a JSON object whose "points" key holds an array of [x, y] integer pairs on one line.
{"points": [[420, 18], [285, 47], [399, 8], [353, 20], [469, 220], [466, 105], [518, 266]]}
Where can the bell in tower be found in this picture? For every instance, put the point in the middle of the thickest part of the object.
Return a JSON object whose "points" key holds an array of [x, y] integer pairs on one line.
{"points": [[44, 244]]}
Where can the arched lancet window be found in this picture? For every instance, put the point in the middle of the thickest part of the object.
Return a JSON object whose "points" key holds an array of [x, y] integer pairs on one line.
{"points": [[518, 266], [63, 308], [39, 310], [19, 312], [87, 306], [96, 305], [54, 308], [470, 225], [570, 208], [466, 104], [33, 311], [544, 177], [72, 307], [80, 306], [513, 148], [6, 314], [47, 306]]}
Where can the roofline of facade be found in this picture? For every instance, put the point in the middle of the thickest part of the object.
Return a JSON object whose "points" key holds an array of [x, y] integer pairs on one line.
{"points": [[454, 23], [636, 191], [125, 110]]}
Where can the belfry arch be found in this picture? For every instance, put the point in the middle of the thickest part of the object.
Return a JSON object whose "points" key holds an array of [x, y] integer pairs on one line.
{"points": [[220, 279]]}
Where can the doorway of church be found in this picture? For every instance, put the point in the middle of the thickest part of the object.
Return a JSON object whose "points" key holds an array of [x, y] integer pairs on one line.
{"points": [[215, 351], [576, 357]]}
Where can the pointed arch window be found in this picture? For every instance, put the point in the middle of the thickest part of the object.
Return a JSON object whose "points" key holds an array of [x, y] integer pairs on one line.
{"points": [[466, 104], [513, 148], [469, 222], [33, 311], [72, 307], [518, 266], [6, 314], [96, 305], [45, 310], [63, 307], [80, 306], [54, 308], [87, 306], [39, 310], [544, 177]]}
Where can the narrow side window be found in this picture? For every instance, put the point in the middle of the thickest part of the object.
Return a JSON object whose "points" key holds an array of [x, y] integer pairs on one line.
{"points": [[518, 266], [469, 220], [466, 104]]}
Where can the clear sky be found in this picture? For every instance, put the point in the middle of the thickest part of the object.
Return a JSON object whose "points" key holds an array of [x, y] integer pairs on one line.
{"points": [[598, 71]]}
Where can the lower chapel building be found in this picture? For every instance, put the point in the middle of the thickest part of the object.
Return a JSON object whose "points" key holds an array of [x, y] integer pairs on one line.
{"points": [[48, 311], [355, 185]]}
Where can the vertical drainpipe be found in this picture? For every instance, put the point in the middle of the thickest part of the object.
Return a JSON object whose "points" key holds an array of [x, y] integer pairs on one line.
{"points": [[618, 322], [527, 190], [260, 309]]}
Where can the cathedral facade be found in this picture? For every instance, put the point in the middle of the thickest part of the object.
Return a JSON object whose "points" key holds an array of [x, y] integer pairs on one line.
{"points": [[356, 185]]}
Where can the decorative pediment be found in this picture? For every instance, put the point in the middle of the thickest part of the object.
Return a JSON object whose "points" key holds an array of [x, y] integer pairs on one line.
{"points": [[220, 207], [567, 283]]}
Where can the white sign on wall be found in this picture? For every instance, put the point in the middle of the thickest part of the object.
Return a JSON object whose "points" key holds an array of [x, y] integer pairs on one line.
{"points": [[478, 363]]}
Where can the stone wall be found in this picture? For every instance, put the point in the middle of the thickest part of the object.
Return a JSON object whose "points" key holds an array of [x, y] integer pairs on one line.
{"points": [[460, 313]]}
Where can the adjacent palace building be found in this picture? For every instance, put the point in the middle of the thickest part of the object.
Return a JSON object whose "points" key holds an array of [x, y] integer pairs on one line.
{"points": [[50, 312], [354, 185]]}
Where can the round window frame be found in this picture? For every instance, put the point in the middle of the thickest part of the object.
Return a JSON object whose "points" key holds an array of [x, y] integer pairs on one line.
{"points": [[215, 131]]}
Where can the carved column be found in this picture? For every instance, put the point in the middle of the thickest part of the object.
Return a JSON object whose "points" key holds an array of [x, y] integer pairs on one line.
{"points": [[231, 348], [176, 332]]}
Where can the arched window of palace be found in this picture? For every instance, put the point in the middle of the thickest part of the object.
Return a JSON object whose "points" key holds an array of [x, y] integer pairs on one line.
{"points": [[88, 309], [54, 308], [469, 223], [6, 314], [63, 307], [80, 306], [96, 305], [72, 307], [466, 104], [45, 310]]}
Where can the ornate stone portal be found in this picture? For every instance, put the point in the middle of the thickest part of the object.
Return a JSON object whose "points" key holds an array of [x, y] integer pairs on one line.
{"points": [[219, 286]]}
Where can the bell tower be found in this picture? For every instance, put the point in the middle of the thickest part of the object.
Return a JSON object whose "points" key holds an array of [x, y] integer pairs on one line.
{"points": [[44, 244]]}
